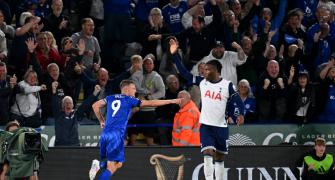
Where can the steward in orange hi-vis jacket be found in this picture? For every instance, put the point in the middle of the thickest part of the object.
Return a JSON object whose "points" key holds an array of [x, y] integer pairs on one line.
{"points": [[186, 123]]}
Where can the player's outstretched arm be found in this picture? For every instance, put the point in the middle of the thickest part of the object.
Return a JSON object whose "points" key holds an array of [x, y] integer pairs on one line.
{"points": [[154, 103], [96, 108]]}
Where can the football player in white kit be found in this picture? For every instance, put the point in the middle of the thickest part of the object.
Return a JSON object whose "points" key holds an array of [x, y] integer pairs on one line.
{"points": [[215, 94]]}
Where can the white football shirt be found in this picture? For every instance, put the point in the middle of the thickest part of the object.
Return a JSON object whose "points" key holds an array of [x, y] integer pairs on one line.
{"points": [[214, 97]]}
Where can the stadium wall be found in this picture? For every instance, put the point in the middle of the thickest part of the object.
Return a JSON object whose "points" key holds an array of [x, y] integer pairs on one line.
{"points": [[243, 162]]}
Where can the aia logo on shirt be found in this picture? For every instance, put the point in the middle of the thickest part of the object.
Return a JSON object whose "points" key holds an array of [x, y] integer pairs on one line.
{"points": [[213, 95]]}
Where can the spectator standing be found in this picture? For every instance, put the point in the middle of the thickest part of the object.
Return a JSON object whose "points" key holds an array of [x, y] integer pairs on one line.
{"points": [[27, 106], [302, 100], [8, 88], [92, 47], [200, 37], [173, 13], [91, 58], [57, 22], [249, 101], [53, 74], [166, 113], [66, 117], [152, 87], [271, 94], [229, 60], [46, 54], [327, 89], [18, 61], [117, 32], [9, 33], [155, 35]]}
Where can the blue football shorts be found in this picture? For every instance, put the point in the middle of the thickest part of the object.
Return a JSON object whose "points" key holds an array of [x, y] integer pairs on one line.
{"points": [[213, 137], [112, 146]]}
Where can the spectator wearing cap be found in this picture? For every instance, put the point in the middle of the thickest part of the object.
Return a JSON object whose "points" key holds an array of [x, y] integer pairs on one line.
{"points": [[200, 37], [302, 100], [229, 60], [318, 164], [152, 87], [326, 104]]}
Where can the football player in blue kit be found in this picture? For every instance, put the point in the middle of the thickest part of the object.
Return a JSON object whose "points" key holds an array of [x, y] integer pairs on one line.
{"points": [[119, 108]]}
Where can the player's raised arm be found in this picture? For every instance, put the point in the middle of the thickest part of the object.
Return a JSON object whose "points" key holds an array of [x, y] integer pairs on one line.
{"points": [[154, 103], [96, 108]]}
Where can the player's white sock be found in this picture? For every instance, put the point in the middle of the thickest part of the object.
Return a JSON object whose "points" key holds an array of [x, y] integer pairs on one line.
{"points": [[219, 170], [208, 167]]}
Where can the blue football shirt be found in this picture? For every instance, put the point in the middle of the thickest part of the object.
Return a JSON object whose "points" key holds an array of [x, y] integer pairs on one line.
{"points": [[119, 109]]}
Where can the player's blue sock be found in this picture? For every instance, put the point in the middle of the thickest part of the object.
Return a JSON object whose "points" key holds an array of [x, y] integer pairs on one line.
{"points": [[105, 175]]}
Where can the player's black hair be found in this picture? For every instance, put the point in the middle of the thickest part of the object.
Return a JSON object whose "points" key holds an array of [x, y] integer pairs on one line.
{"points": [[216, 64], [126, 82]]}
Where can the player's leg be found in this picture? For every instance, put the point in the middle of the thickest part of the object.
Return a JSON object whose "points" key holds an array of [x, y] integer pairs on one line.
{"points": [[222, 135], [112, 167], [208, 150], [219, 166], [115, 156]]}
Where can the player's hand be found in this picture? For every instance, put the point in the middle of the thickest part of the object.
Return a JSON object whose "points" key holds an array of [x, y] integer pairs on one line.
{"points": [[240, 120], [102, 125], [230, 120], [177, 101]]}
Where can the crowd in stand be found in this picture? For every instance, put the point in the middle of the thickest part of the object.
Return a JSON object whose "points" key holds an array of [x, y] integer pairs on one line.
{"points": [[279, 54]]}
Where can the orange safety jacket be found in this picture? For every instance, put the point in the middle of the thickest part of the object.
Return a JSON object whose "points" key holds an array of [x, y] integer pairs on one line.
{"points": [[186, 126]]}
